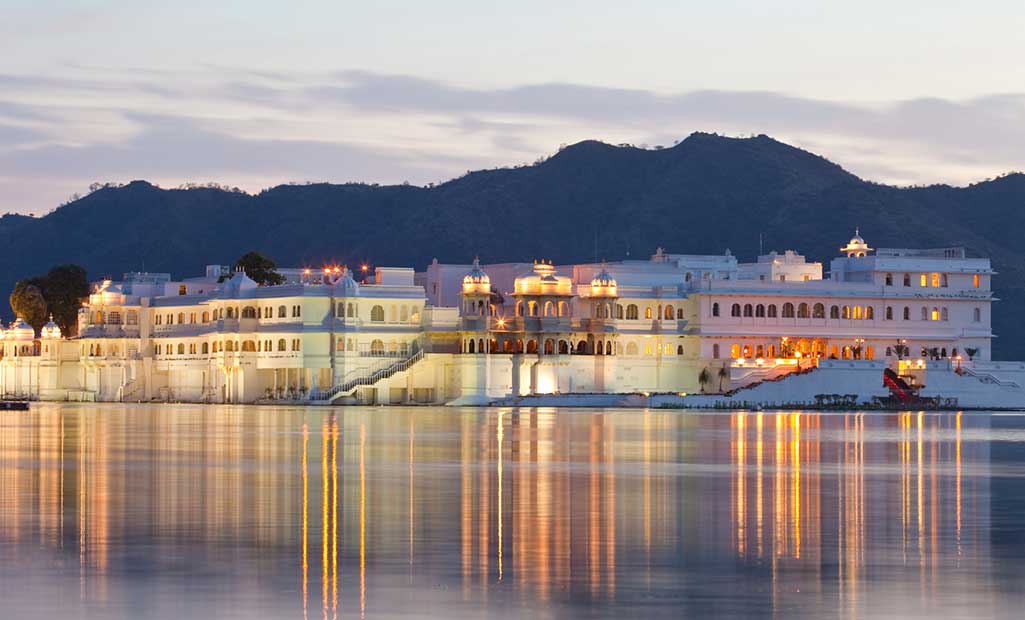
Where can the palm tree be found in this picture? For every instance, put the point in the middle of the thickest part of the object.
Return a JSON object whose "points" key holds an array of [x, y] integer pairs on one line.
{"points": [[704, 377], [723, 373], [972, 352]]}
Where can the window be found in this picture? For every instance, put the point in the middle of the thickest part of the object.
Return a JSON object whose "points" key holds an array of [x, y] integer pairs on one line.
{"points": [[907, 313], [631, 311], [132, 318], [181, 348], [206, 317], [935, 280], [647, 312], [889, 279], [975, 281], [760, 311], [802, 311], [944, 316], [249, 312], [715, 309], [158, 319], [192, 348], [182, 289], [205, 348], [377, 314], [404, 314], [296, 346], [297, 311], [889, 313], [934, 315], [715, 351], [907, 279], [748, 310], [181, 318], [870, 313], [925, 313], [249, 346], [735, 310], [114, 318], [856, 312], [281, 342], [281, 312], [772, 311], [679, 313], [976, 315], [788, 310], [943, 281], [846, 313], [923, 281], [349, 310]]}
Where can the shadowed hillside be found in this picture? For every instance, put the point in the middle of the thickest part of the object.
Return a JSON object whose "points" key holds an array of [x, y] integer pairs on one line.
{"points": [[704, 195]]}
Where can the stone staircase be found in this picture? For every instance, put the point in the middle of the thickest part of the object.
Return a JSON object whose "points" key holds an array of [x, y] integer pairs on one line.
{"points": [[365, 379]]}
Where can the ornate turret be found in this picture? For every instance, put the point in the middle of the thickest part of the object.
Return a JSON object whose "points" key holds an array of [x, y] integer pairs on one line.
{"points": [[856, 247], [476, 291], [603, 284], [50, 331], [20, 330]]}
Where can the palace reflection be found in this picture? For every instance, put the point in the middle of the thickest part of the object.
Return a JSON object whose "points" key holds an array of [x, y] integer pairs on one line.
{"points": [[356, 510]]}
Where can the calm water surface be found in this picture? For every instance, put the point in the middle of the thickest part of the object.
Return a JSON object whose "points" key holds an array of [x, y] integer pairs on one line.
{"points": [[122, 511]]}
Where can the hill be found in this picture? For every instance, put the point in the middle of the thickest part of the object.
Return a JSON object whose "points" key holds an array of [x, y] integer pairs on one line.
{"points": [[704, 195]]}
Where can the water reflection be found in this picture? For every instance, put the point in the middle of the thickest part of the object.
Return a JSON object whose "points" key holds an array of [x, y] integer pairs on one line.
{"points": [[228, 510]]}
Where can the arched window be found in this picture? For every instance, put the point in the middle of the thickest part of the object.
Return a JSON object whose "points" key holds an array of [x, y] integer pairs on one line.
{"points": [[181, 348], [802, 311], [934, 315], [181, 318], [747, 350], [549, 309], [281, 343], [549, 346], [818, 311], [889, 279], [735, 310], [532, 308], [889, 313], [846, 312], [925, 313], [532, 346], [669, 313], [206, 316], [760, 311], [608, 347], [856, 312], [281, 312], [519, 308], [715, 351], [249, 312], [679, 349], [377, 346], [350, 310], [975, 281], [205, 348], [631, 312], [471, 346], [976, 315], [249, 346], [943, 280], [944, 316], [564, 309], [870, 313], [935, 280], [907, 279], [735, 351], [923, 280], [834, 312], [563, 347], [772, 311], [679, 313], [788, 310], [619, 311], [376, 314], [907, 313], [715, 309], [647, 312], [114, 318], [748, 310]]}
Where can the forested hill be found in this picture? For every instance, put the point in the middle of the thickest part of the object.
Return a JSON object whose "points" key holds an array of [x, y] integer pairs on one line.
{"points": [[704, 195]]}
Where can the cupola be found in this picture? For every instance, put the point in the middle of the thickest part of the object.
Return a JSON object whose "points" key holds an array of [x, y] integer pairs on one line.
{"points": [[51, 330], [856, 247]]}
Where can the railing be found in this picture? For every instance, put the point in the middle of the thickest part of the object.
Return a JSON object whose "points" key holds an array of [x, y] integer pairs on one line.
{"points": [[985, 377], [350, 385]]}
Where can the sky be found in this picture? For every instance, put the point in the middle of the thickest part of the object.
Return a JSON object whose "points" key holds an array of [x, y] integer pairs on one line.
{"points": [[253, 94]]}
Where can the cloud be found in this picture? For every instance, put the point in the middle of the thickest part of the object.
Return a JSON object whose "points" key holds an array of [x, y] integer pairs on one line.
{"points": [[253, 128]]}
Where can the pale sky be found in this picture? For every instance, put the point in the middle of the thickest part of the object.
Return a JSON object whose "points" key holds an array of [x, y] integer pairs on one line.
{"points": [[253, 93]]}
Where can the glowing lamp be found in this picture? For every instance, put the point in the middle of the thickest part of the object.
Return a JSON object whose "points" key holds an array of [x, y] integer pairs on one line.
{"points": [[759, 361], [740, 361]]}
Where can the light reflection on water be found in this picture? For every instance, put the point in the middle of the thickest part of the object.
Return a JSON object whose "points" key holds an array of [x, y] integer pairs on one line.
{"points": [[160, 511]]}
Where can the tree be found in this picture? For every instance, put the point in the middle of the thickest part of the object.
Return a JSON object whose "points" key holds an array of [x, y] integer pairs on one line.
{"points": [[972, 352], [28, 303], [724, 373], [704, 377], [64, 287], [260, 268]]}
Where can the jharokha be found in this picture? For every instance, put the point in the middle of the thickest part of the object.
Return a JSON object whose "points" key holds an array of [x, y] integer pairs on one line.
{"points": [[684, 329]]}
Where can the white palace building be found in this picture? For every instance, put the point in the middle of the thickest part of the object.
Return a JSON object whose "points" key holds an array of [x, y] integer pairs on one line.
{"points": [[677, 329]]}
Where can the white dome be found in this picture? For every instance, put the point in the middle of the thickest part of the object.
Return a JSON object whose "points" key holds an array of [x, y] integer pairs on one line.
{"points": [[50, 330], [238, 283], [20, 330], [603, 284], [856, 247], [346, 285], [476, 281]]}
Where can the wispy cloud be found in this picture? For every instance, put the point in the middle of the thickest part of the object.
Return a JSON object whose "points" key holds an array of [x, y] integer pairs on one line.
{"points": [[254, 128]]}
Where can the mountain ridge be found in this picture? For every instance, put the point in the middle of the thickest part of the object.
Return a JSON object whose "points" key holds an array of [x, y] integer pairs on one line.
{"points": [[590, 200]]}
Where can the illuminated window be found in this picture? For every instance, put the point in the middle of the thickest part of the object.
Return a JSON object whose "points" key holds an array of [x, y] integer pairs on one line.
{"points": [[975, 280], [935, 280], [735, 351], [647, 312], [935, 314], [923, 281], [857, 312], [647, 349]]}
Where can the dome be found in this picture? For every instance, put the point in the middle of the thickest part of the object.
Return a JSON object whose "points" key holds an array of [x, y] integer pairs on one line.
{"points": [[20, 330], [50, 330], [603, 284], [346, 285], [238, 283], [476, 281], [856, 247]]}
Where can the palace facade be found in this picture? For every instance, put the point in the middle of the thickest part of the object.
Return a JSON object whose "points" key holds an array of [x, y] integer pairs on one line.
{"points": [[675, 323]]}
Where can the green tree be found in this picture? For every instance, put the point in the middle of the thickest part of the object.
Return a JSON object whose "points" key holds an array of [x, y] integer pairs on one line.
{"points": [[724, 373], [28, 302], [64, 287], [972, 352], [260, 268]]}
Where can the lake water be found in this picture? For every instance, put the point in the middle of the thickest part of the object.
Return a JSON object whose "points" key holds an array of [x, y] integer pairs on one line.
{"points": [[182, 511]]}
